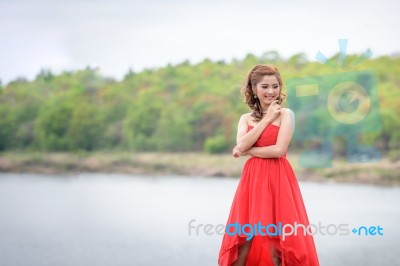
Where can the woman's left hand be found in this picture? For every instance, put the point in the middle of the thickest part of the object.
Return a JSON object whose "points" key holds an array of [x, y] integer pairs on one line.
{"points": [[237, 153]]}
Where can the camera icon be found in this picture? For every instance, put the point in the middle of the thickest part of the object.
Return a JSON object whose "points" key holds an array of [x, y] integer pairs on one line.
{"points": [[342, 104]]}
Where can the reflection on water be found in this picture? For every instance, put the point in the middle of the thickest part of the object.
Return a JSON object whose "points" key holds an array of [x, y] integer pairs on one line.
{"points": [[99, 219]]}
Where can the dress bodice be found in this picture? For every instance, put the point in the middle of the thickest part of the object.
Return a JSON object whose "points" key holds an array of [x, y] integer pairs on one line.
{"points": [[268, 137]]}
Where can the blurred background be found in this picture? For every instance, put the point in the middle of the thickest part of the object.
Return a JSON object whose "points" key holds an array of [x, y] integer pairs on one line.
{"points": [[117, 121]]}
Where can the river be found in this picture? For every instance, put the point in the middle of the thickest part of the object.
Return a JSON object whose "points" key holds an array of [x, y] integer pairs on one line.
{"points": [[108, 219]]}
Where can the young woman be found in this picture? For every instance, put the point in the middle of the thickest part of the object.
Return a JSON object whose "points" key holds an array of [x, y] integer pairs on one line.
{"points": [[268, 193]]}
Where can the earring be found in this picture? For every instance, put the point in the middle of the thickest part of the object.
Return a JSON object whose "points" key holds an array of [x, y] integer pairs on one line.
{"points": [[255, 96]]}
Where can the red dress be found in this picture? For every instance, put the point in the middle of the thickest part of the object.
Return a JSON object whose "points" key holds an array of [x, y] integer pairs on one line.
{"points": [[268, 193]]}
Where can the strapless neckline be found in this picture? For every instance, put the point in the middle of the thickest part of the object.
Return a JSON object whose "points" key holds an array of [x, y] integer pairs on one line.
{"points": [[268, 125]]}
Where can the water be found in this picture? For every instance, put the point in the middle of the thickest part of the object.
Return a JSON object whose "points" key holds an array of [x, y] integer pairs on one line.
{"points": [[103, 219]]}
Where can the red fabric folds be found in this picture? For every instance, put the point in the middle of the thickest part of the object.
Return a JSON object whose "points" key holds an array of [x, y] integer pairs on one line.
{"points": [[268, 193]]}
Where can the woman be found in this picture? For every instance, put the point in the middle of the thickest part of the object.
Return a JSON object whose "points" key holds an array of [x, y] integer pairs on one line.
{"points": [[268, 192]]}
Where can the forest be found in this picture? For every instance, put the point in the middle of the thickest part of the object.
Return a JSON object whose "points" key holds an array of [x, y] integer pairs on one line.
{"points": [[175, 108]]}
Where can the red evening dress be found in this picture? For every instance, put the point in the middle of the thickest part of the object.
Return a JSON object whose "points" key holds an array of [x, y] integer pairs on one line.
{"points": [[268, 192]]}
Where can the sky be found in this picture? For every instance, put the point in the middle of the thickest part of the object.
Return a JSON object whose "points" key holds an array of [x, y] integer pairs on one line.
{"points": [[120, 35]]}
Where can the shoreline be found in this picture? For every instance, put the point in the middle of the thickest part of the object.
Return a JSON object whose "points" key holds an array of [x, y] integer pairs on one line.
{"points": [[383, 173]]}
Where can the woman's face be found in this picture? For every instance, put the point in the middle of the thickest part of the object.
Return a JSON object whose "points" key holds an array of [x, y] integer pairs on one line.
{"points": [[268, 89]]}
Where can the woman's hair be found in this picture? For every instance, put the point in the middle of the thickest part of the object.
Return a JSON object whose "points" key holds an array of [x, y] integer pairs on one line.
{"points": [[254, 76]]}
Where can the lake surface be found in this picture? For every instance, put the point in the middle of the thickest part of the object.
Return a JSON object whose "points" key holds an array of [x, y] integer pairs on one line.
{"points": [[104, 219]]}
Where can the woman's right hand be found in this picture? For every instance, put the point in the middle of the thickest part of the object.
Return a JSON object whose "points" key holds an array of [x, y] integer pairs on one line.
{"points": [[274, 109], [237, 153]]}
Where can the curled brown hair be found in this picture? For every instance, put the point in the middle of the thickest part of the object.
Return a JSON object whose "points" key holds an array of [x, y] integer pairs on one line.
{"points": [[254, 76]]}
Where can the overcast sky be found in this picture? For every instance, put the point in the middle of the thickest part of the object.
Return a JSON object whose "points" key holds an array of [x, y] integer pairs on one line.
{"points": [[120, 34]]}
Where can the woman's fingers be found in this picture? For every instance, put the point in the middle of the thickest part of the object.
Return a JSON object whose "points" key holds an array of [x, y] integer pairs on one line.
{"points": [[235, 152]]}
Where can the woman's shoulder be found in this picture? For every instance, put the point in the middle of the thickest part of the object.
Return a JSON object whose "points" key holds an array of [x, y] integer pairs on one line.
{"points": [[245, 115], [246, 118], [290, 115], [288, 111]]}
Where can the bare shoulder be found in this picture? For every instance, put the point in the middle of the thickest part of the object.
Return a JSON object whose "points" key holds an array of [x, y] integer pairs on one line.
{"points": [[289, 115], [287, 111], [245, 117]]}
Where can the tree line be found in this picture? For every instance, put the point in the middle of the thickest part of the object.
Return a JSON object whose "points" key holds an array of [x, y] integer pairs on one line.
{"points": [[182, 107]]}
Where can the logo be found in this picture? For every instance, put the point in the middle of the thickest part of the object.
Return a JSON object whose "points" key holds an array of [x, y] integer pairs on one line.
{"points": [[338, 104]]}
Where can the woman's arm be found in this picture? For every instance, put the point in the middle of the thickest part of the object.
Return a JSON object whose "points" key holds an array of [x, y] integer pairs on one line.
{"points": [[282, 143], [246, 139]]}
